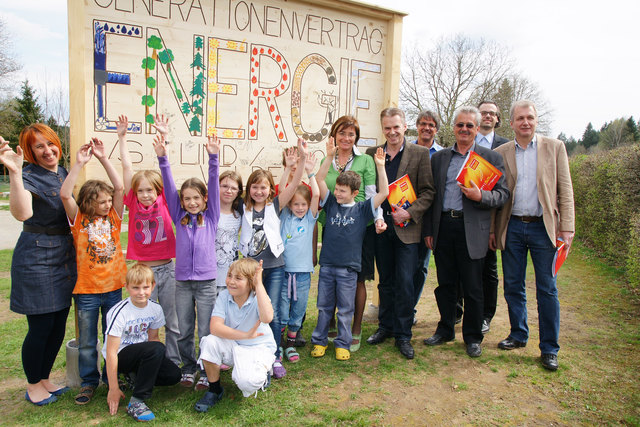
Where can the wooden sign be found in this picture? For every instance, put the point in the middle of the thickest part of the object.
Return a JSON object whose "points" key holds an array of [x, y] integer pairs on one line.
{"points": [[259, 74]]}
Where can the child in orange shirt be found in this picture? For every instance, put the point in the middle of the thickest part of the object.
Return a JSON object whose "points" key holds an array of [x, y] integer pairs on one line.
{"points": [[95, 221]]}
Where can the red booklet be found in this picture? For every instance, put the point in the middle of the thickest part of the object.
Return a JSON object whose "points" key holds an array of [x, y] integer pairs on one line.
{"points": [[562, 251], [401, 195], [478, 170]]}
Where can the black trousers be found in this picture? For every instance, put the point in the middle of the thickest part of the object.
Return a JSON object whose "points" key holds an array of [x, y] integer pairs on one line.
{"points": [[42, 343], [454, 267], [489, 287], [147, 360]]}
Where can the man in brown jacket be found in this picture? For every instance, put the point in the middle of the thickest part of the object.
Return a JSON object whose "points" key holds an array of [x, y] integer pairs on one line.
{"points": [[539, 211], [397, 245]]}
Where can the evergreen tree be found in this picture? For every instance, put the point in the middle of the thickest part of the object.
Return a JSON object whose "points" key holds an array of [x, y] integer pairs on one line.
{"points": [[27, 107], [631, 130], [590, 137]]}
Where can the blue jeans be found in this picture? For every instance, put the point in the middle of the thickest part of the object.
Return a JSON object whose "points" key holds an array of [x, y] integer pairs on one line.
{"points": [[532, 237], [272, 278], [396, 262], [192, 295], [422, 269], [293, 300], [336, 288], [89, 307]]}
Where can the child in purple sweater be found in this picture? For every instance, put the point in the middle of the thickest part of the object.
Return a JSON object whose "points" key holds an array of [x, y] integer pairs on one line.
{"points": [[195, 213]]}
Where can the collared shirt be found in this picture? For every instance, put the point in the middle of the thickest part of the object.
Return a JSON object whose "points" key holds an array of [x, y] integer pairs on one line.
{"points": [[347, 167], [391, 167], [434, 147], [243, 318], [452, 194], [485, 141], [525, 199]]}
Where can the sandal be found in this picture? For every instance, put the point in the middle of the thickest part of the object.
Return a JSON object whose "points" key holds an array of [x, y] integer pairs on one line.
{"points": [[291, 354], [318, 350], [355, 346], [85, 395], [342, 354]]}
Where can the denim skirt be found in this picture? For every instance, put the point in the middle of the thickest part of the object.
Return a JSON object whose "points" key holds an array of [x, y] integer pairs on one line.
{"points": [[43, 273]]}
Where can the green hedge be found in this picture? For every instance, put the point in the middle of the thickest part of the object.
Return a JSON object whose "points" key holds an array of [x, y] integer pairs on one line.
{"points": [[607, 197]]}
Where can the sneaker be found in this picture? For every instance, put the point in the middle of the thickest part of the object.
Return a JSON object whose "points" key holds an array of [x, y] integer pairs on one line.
{"points": [[224, 367], [202, 384], [139, 411], [187, 380], [208, 400], [267, 383], [278, 369], [300, 341]]}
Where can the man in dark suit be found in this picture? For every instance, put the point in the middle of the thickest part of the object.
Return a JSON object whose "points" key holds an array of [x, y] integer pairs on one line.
{"points": [[396, 245], [460, 219], [488, 138]]}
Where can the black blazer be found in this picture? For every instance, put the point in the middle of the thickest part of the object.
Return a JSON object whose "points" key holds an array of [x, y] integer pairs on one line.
{"points": [[477, 215]]}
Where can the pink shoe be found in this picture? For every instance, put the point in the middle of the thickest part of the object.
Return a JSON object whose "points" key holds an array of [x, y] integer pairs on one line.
{"points": [[224, 367]]}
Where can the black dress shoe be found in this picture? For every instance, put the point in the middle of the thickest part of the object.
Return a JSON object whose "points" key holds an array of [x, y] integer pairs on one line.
{"points": [[436, 339], [550, 362], [474, 349], [486, 326], [405, 347], [509, 344], [379, 336]]}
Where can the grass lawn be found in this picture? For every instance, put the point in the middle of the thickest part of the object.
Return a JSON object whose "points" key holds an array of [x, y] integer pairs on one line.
{"points": [[598, 381]]}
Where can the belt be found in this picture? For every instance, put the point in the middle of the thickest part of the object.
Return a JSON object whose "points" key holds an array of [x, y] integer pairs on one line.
{"points": [[527, 219], [453, 214], [52, 231]]}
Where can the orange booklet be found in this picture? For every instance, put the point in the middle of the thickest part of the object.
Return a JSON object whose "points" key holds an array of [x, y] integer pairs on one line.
{"points": [[401, 195], [478, 170], [561, 255]]}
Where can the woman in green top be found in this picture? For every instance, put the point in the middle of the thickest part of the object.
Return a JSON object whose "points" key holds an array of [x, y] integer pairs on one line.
{"points": [[346, 132]]}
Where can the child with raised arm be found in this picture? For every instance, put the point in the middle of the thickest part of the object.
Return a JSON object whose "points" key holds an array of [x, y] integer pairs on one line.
{"points": [[340, 258], [260, 236], [151, 238], [95, 221], [132, 345], [240, 334], [298, 220], [195, 213]]}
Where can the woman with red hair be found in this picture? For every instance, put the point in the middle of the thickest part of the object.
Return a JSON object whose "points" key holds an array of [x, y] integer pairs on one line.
{"points": [[43, 268]]}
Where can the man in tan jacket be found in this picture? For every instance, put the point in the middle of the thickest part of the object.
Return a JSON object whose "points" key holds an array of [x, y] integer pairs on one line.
{"points": [[539, 211]]}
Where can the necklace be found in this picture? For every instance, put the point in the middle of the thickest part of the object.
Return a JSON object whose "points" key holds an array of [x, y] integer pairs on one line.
{"points": [[341, 167]]}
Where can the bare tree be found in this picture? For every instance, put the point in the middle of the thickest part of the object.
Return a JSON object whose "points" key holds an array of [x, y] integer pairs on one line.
{"points": [[514, 88], [8, 64], [458, 71], [614, 135], [54, 98]]}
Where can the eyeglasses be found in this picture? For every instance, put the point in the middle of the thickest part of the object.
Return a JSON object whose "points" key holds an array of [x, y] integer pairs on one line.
{"points": [[489, 113], [225, 187], [468, 125]]}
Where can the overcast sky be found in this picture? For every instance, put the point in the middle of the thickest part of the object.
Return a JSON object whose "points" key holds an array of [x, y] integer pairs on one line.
{"points": [[584, 55]]}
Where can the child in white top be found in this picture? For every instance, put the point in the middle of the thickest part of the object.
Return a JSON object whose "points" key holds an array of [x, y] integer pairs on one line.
{"points": [[231, 208], [132, 345]]}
